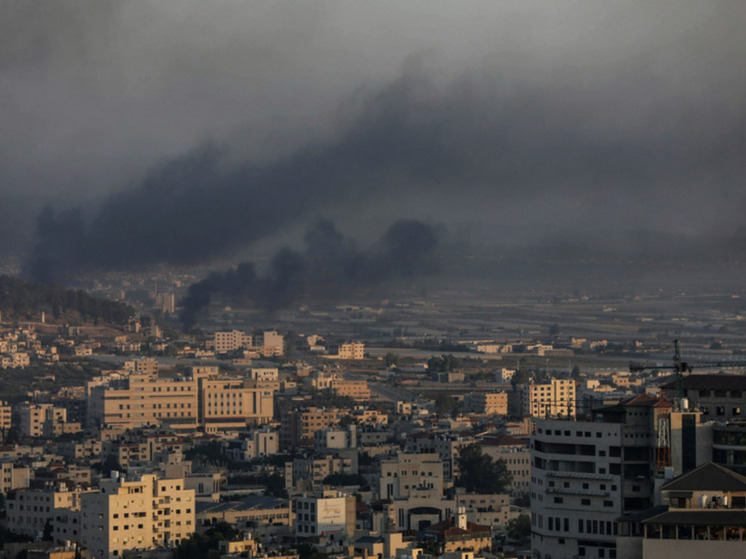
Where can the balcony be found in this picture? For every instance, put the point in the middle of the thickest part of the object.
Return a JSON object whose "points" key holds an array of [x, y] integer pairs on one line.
{"points": [[579, 475], [571, 491]]}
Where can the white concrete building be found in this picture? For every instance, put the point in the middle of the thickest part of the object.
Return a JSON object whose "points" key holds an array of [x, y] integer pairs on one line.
{"points": [[586, 474]]}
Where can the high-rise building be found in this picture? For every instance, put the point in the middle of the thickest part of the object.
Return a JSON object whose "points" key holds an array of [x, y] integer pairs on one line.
{"points": [[587, 474]]}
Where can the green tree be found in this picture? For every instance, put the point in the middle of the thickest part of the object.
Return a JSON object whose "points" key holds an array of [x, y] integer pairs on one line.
{"points": [[521, 376], [519, 528], [445, 404], [110, 464], [479, 473], [391, 359]]}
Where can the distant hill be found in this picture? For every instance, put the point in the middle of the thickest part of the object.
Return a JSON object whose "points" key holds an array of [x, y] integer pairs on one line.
{"points": [[23, 300]]}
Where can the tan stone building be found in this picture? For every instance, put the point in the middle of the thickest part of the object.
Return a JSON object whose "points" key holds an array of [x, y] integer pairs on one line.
{"points": [[29, 510], [307, 474], [351, 350], [181, 403], [234, 403], [5, 417], [138, 514], [143, 399], [44, 420], [555, 399], [402, 474], [488, 403], [299, 426], [265, 344], [13, 476], [356, 389]]}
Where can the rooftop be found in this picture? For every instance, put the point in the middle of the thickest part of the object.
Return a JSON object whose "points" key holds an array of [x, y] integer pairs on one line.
{"points": [[707, 477]]}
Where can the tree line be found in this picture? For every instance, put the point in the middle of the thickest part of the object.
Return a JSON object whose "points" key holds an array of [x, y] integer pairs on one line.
{"points": [[21, 300]]}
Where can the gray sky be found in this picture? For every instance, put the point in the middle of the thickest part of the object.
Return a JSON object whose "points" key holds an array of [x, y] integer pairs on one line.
{"points": [[516, 120]]}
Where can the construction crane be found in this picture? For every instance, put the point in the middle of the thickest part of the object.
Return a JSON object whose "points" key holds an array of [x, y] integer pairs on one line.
{"points": [[679, 367]]}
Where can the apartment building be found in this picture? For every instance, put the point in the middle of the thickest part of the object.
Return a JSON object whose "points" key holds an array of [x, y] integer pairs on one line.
{"points": [[329, 514], [5, 417], [517, 457], [401, 475], [261, 344], [30, 510], [143, 365], [356, 389], [351, 350], [554, 399], [13, 476], [487, 403], [138, 514], [44, 420], [307, 474], [718, 397], [587, 474], [445, 445], [91, 449], [266, 374], [255, 444], [298, 426]]}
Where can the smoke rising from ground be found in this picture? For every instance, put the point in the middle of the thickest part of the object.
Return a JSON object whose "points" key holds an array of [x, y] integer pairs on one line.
{"points": [[328, 267]]}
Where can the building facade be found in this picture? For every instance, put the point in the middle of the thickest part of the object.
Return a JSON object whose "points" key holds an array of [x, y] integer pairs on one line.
{"points": [[139, 514], [587, 474], [554, 399]]}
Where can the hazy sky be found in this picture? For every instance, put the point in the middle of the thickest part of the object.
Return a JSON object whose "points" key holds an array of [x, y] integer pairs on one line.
{"points": [[222, 123]]}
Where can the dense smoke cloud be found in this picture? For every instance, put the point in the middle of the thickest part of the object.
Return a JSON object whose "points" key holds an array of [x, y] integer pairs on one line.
{"points": [[473, 142], [328, 267], [164, 132]]}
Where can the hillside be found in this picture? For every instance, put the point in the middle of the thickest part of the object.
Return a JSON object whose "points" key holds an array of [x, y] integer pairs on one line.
{"points": [[23, 300]]}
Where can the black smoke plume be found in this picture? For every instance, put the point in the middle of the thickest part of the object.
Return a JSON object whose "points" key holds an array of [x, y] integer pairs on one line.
{"points": [[581, 158], [329, 266]]}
